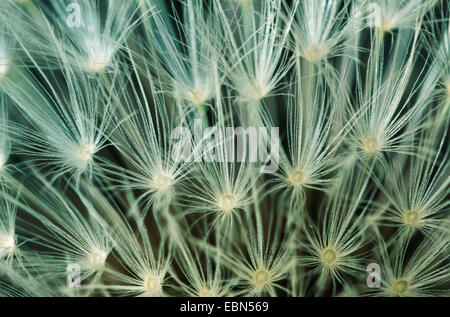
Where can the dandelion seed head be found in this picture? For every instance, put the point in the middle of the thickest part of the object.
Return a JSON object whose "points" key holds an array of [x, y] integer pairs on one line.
{"points": [[97, 64], [197, 94], [297, 177], [7, 244], [370, 145], [262, 277], [384, 22], [152, 284], [400, 286], [329, 257], [98, 257], [162, 181], [205, 292], [197, 97], [412, 217], [254, 91], [84, 153], [259, 92], [390, 15], [226, 202], [315, 53], [80, 156], [98, 51], [353, 97]]}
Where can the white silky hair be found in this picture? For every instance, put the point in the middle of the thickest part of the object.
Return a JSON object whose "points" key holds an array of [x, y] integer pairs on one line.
{"points": [[114, 155]]}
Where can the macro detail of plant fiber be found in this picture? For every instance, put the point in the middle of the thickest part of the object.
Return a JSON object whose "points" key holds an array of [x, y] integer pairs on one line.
{"points": [[217, 148]]}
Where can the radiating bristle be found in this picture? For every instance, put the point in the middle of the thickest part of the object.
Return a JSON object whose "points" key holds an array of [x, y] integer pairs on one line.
{"points": [[211, 148]]}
